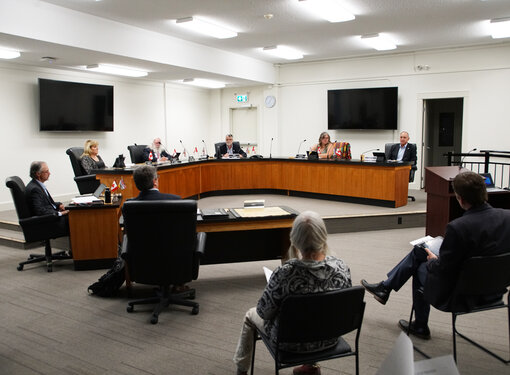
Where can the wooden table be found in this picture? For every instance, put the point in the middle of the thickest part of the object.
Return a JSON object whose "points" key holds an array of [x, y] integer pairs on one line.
{"points": [[384, 184], [94, 232]]}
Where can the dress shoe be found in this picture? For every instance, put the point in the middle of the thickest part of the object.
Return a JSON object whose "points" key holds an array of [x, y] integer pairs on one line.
{"points": [[380, 293], [307, 370], [420, 330]]}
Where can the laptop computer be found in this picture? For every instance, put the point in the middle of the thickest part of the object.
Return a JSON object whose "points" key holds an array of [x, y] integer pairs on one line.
{"points": [[381, 156], [489, 182], [97, 193]]}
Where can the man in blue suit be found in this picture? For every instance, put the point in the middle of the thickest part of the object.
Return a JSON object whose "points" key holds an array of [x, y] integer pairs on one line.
{"points": [[403, 151]]}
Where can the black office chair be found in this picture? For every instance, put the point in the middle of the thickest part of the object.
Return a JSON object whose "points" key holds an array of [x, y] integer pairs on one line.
{"points": [[87, 183], [217, 146], [316, 317], [163, 249], [414, 167], [479, 277], [36, 228], [136, 153]]}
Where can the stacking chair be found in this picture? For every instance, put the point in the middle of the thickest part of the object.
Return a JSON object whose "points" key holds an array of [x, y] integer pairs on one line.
{"points": [[316, 317], [414, 168], [87, 183], [36, 228], [480, 277], [136, 153], [163, 249]]}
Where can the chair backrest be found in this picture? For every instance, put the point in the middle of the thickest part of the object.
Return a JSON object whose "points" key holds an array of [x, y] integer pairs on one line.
{"points": [[75, 157], [17, 187], [321, 316], [136, 153], [387, 148], [484, 276], [161, 239]]}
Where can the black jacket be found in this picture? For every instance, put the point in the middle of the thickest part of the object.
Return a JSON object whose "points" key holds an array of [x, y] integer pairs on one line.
{"points": [[236, 148], [409, 153], [38, 201]]}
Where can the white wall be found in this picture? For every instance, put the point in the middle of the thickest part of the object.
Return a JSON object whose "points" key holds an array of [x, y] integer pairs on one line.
{"points": [[142, 111], [481, 75]]}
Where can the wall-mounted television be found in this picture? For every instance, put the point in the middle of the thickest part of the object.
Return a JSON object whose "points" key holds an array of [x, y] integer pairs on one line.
{"points": [[368, 108], [73, 106]]}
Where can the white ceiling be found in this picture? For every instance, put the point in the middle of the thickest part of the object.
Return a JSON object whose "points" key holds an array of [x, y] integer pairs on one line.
{"points": [[415, 25]]}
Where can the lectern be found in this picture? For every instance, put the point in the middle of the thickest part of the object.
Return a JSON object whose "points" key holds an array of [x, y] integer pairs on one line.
{"points": [[442, 206]]}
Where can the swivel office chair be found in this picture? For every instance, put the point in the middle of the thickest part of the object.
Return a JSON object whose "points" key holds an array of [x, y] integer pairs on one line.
{"points": [[414, 168], [163, 249], [218, 145], [136, 153], [87, 183], [36, 228]]}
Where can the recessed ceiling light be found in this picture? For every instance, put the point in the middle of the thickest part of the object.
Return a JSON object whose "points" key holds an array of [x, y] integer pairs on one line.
{"points": [[330, 10], [268, 16], [9, 54], [201, 82], [117, 70], [378, 42], [283, 52], [500, 28], [205, 27]]}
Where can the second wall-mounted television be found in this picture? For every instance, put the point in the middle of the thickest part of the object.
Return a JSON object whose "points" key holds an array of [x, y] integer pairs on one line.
{"points": [[368, 108], [73, 106]]}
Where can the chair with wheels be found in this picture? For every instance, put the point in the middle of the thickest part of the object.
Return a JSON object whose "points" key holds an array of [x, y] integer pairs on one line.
{"points": [[136, 153], [316, 317], [414, 168], [163, 249], [36, 228], [482, 282], [87, 183]]}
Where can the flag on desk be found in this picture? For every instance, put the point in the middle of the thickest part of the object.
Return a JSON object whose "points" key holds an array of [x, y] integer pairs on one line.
{"points": [[114, 186], [253, 149], [122, 185], [318, 150], [175, 152], [150, 157]]}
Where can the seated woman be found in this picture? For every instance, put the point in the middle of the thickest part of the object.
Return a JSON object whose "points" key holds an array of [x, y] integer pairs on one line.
{"points": [[313, 272], [324, 148], [90, 160]]}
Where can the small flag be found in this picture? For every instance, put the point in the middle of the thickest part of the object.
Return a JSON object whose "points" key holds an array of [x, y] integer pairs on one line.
{"points": [[318, 150], [175, 152], [253, 149], [122, 185], [196, 149], [150, 156], [114, 186]]}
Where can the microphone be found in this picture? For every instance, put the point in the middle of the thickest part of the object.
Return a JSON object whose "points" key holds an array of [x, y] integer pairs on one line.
{"points": [[362, 156], [206, 153], [298, 155], [190, 158], [271, 148], [462, 160]]}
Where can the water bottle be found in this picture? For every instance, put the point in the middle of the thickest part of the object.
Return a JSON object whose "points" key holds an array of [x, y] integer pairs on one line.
{"points": [[107, 196]]}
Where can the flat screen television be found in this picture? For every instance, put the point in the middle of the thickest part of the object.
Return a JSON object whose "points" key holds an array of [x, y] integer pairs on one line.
{"points": [[73, 106], [370, 108]]}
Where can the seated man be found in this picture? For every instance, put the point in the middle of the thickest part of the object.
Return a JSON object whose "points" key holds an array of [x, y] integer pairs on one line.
{"points": [[39, 199], [482, 230], [156, 152], [313, 272], [230, 148], [405, 151]]}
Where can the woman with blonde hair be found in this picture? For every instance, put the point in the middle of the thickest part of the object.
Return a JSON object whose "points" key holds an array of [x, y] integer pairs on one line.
{"points": [[90, 159], [325, 149], [313, 271]]}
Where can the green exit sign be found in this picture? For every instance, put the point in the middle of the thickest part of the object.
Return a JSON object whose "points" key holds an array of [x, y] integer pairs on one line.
{"points": [[242, 98]]}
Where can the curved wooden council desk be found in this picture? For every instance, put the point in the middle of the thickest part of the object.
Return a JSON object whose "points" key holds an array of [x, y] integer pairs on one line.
{"points": [[383, 184]]}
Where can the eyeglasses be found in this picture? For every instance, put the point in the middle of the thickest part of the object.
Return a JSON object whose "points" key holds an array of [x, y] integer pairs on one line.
{"points": [[157, 143]]}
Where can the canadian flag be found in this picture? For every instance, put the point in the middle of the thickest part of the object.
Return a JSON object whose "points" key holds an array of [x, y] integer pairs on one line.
{"points": [[253, 149], [318, 150], [114, 186], [150, 157], [175, 152], [196, 150]]}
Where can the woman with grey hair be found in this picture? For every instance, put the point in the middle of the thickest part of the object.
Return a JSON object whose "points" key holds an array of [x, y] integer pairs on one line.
{"points": [[310, 270]]}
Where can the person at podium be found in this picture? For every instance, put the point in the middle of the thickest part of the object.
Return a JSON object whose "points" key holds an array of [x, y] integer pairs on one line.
{"points": [[403, 151], [156, 152], [230, 148], [90, 159], [482, 230], [325, 149]]}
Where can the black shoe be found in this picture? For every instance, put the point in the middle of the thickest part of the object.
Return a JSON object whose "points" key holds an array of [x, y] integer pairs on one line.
{"points": [[417, 329], [378, 290]]}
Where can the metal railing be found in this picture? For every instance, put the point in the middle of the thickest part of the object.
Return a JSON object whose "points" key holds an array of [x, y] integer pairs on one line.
{"points": [[486, 161]]}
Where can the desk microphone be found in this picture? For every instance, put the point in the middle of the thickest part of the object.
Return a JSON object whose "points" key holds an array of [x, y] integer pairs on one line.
{"points": [[271, 148], [462, 160], [362, 156], [205, 148], [299, 148], [190, 158]]}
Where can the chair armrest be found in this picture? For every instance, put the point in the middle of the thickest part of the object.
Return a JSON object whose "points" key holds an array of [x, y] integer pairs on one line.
{"points": [[199, 252], [38, 220], [87, 177]]}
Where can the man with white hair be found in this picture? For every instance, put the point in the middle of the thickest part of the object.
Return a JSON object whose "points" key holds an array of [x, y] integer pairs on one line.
{"points": [[156, 152]]}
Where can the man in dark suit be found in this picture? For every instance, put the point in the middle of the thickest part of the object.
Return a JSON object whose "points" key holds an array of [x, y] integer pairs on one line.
{"points": [[39, 199], [482, 230], [403, 151], [156, 152], [230, 148]]}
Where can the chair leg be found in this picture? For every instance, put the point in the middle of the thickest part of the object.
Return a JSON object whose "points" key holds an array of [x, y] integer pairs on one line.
{"points": [[253, 352], [409, 330]]}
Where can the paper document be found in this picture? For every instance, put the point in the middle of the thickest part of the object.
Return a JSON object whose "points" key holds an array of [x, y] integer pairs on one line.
{"points": [[431, 243], [267, 272], [85, 200]]}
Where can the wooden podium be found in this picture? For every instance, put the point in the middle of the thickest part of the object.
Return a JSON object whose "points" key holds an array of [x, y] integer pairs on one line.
{"points": [[442, 205]]}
